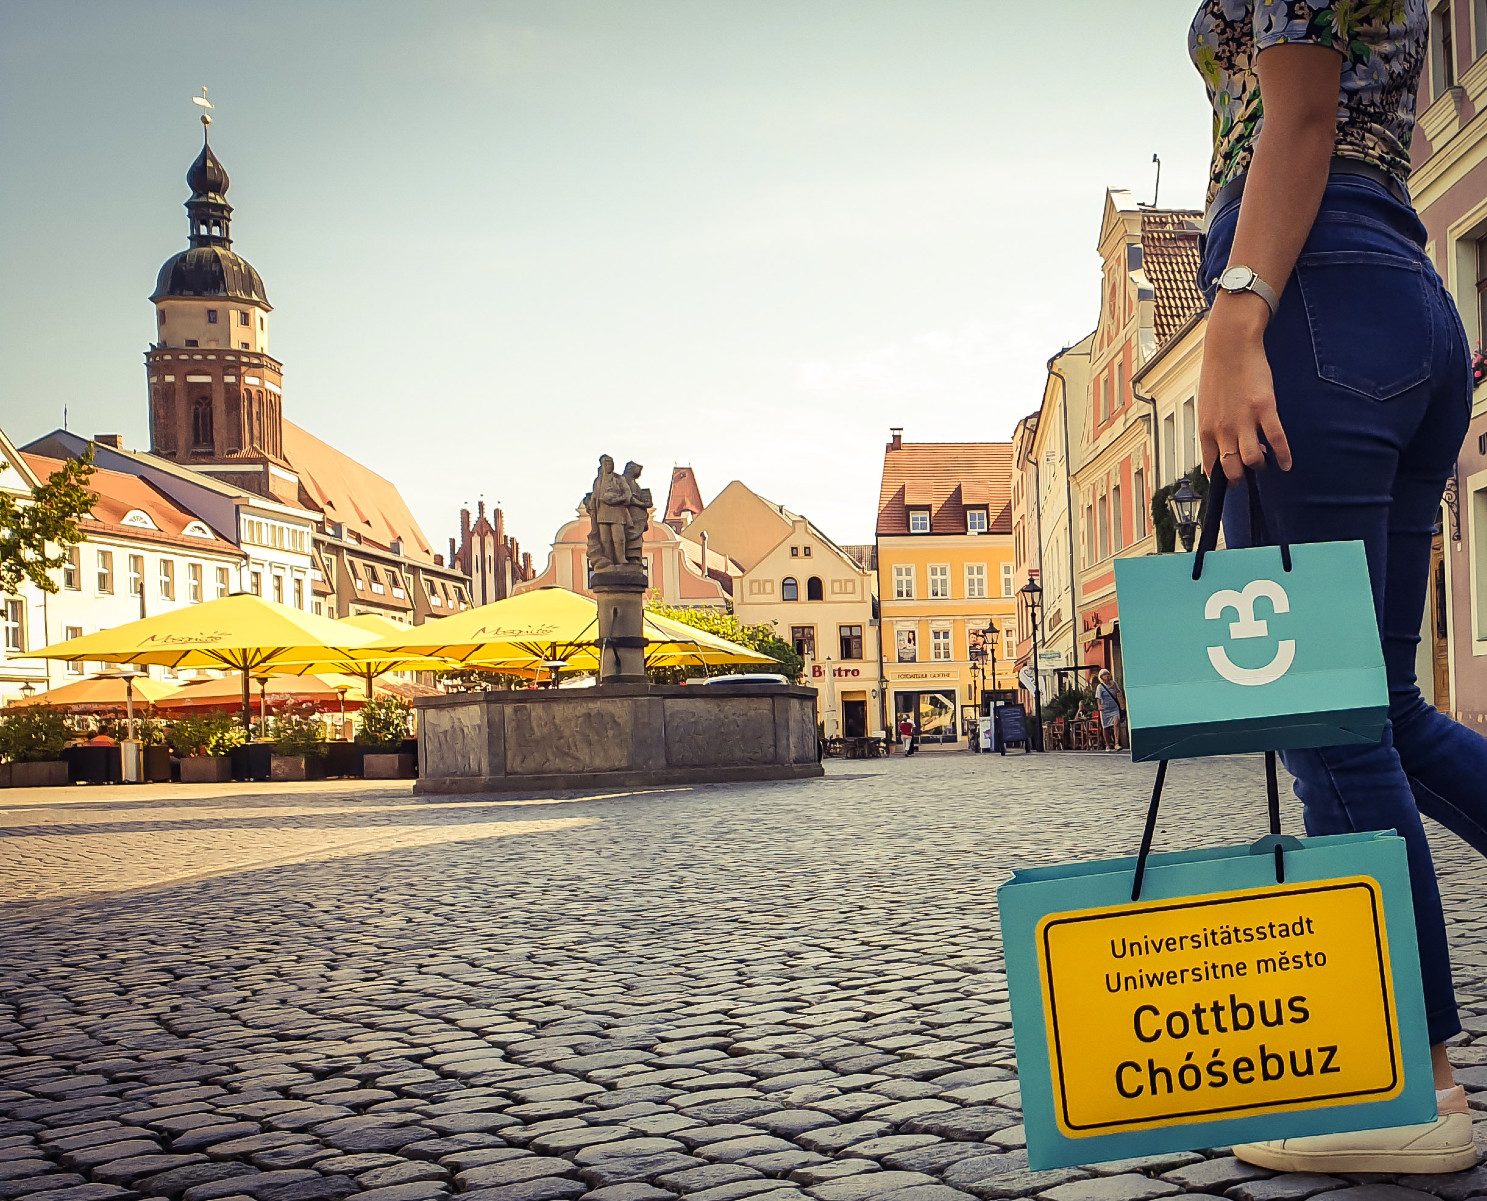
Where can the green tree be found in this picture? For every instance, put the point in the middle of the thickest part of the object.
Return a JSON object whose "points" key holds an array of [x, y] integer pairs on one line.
{"points": [[36, 533], [759, 638]]}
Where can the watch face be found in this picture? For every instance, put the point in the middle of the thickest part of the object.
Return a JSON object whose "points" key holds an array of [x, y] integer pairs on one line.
{"points": [[1236, 279]]}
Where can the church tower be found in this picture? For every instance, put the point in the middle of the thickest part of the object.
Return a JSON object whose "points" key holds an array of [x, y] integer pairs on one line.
{"points": [[215, 391]]}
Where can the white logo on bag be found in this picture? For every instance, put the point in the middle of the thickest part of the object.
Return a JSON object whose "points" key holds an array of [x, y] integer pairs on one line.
{"points": [[1250, 626]]}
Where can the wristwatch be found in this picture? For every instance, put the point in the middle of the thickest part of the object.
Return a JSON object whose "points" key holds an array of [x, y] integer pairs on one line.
{"points": [[1244, 279]]}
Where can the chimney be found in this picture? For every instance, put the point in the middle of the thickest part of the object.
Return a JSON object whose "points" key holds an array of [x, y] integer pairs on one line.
{"points": [[113, 441], [438, 560], [451, 552], [897, 442]]}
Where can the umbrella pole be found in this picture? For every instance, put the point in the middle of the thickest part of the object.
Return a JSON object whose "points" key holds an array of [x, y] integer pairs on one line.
{"points": [[129, 705], [247, 706]]}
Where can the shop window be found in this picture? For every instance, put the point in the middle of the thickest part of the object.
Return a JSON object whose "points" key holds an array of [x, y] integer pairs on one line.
{"points": [[851, 641], [903, 581], [789, 589], [814, 590], [803, 638], [907, 640]]}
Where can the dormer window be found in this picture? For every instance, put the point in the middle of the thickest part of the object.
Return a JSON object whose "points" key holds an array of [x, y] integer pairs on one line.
{"points": [[918, 521], [976, 521]]}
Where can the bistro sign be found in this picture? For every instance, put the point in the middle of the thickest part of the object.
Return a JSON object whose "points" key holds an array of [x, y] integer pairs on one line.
{"points": [[840, 673]]}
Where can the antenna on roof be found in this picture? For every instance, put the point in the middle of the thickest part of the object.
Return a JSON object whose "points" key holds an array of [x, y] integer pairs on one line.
{"points": [[64, 418], [1157, 191]]}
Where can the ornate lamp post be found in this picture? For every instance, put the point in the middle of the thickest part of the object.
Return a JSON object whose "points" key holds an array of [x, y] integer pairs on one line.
{"points": [[28, 690], [988, 639], [341, 691], [1185, 503], [1032, 593]]}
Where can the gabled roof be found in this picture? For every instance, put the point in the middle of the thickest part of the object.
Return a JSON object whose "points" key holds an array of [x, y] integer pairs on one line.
{"points": [[946, 478], [368, 505], [684, 497], [16, 475], [129, 507], [1170, 261]]}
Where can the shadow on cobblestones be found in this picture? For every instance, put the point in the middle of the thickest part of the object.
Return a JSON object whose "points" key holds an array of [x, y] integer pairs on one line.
{"points": [[772, 991]]}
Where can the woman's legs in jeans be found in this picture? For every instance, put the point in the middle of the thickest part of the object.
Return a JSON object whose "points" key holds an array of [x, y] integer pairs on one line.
{"points": [[1372, 449]]}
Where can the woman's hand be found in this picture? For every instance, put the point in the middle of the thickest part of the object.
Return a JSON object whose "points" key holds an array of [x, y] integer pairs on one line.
{"points": [[1236, 393]]}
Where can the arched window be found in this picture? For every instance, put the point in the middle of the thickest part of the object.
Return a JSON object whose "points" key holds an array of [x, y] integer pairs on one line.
{"points": [[813, 588], [201, 423], [789, 589]]}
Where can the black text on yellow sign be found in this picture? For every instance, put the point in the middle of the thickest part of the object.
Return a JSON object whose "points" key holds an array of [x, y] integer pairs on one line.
{"points": [[1219, 1006]]}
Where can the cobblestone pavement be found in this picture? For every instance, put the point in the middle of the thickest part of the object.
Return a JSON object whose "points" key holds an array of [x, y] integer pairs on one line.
{"points": [[773, 991]]}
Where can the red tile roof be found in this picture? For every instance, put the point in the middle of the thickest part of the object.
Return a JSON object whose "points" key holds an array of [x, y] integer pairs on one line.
{"points": [[1170, 260], [946, 477], [354, 495], [683, 497], [118, 495]]}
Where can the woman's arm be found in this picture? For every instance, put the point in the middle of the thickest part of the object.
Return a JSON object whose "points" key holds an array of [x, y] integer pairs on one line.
{"points": [[1299, 87]]}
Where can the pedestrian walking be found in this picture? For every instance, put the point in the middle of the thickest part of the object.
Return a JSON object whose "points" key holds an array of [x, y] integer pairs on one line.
{"points": [[906, 734], [1336, 366], [1112, 705]]}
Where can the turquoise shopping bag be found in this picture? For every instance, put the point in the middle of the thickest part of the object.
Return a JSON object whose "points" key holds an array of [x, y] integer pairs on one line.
{"points": [[1198, 999], [1270, 648]]}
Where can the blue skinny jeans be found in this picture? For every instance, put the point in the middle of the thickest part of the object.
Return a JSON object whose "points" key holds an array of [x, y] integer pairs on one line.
{"points": [[1373, 383]]}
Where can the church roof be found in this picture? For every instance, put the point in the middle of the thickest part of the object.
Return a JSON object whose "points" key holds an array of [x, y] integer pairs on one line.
{"points": [[366, 504], [210, 271]]}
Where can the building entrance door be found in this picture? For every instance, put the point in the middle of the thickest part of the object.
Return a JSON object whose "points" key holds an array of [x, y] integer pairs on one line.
{"points": [[1437, 614], [937, 717], [854, 719]]}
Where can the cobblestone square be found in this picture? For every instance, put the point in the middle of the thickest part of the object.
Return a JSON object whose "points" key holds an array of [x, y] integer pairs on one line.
{"points": [[724, 993]]}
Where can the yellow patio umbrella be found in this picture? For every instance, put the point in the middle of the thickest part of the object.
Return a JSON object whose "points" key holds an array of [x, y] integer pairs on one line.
{"points": [[548, 627], [110, 690], [243, 633], [366, 668]]}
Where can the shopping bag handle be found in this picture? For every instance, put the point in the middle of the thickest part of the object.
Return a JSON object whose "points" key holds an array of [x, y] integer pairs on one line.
{"points": [[1272, 797], [1213, 512]]}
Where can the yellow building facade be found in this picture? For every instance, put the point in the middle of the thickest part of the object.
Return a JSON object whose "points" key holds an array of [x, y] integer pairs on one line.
{"points": [[945, 573], [812, 591]]}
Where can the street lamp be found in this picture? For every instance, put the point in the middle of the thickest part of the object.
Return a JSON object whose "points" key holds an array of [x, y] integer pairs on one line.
{"points": [[988, 639], [1032, 592], [1185, 503], [28, 690], [341, 691]]}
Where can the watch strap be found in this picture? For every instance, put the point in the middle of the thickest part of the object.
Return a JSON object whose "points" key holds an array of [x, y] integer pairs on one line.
{"points": [[1256, 285]]}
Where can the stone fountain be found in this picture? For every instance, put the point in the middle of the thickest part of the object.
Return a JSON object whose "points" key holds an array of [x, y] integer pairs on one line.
{"points": [[625, 732]]}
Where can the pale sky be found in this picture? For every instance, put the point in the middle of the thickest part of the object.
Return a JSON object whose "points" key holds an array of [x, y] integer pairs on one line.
{"points": [[502, 238]]}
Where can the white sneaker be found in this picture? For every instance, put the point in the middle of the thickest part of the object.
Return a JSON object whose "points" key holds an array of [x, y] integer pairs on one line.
{"points": [[1444, 1145]]}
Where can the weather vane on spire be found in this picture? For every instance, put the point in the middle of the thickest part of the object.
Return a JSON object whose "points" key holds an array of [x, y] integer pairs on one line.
{"points": [[205, 105]]}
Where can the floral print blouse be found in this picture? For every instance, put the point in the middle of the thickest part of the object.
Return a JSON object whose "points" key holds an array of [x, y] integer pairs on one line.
{"points": [[1382, 43]]}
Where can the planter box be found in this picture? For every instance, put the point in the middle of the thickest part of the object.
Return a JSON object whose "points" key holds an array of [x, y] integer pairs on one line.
{"points": [[253, 761], [4, 775], [297, 767], [396, 765], [157, 765], [38, 775], [205, 769], [343, 758]]}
